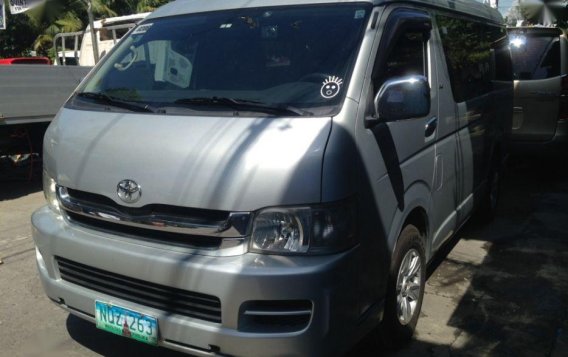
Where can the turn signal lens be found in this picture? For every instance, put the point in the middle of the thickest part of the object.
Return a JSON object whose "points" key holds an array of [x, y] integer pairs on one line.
{"points": [[49, 191]]}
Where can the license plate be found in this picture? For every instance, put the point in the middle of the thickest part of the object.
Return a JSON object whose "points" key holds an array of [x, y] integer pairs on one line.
{"points": [[126, 322]]}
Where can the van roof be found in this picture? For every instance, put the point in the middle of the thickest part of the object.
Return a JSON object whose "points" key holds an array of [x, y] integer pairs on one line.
{"points": [[180, 7]]}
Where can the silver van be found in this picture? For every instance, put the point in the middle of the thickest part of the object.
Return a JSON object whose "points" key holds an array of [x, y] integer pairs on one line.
{"points": [[540, 67], [270, 177]]}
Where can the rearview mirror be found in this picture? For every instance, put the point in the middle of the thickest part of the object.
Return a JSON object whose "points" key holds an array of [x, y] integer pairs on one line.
{"points": [[403, 98]]}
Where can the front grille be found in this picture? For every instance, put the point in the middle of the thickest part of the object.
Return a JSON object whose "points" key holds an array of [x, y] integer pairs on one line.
{"points": [[150, 235], [198, 215], [194, 228], [165, 298]]}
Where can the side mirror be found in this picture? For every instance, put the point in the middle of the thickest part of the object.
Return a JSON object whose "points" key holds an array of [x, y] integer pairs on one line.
{"points": [[403, 98]]}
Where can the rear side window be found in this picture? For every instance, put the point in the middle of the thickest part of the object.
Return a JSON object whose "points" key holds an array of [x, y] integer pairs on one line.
{"points": [[535, 57], [471, 50]]}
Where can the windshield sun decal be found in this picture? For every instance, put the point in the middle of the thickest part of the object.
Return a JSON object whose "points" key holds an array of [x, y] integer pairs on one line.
{"points": [[331, 87]]}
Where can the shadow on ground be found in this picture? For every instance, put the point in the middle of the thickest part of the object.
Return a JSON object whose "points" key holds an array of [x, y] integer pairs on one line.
{"points": [[516, 300], [13, 189], [20, 175]]}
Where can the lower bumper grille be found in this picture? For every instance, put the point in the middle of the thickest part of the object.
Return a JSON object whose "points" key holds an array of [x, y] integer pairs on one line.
{"points": [[275, 316], [168, 299]]}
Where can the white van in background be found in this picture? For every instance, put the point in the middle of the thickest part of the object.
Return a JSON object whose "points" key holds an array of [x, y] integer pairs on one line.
{"points": [[78, 46], [540, 69]]}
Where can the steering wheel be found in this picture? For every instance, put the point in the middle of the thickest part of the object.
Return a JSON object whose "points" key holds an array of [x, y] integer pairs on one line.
{"points": [[124, 67]]}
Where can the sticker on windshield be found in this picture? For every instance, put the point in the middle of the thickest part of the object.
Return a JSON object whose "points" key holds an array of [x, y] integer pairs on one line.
{"points": [[142, 29], [359, 14], [331, 87]]}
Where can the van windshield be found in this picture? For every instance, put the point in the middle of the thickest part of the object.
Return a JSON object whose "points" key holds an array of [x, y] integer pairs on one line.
{"points": [[535, 56], [293, 60]]}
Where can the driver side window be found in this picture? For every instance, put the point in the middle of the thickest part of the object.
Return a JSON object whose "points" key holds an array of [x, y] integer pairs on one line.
{"points": [[407, 57]]}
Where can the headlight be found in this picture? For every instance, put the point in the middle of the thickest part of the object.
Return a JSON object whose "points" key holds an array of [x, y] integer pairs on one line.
{"points": [[49, 191], [304, 230]]}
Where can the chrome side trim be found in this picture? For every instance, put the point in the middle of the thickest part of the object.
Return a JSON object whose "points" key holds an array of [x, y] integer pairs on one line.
{"points": [[237, 224]]}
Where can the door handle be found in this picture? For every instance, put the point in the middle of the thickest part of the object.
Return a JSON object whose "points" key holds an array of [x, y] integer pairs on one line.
{"points": [[430, 127]]}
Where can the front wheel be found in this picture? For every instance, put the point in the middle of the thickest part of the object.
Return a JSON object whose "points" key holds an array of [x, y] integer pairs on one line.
{"points": [[405, 289]]}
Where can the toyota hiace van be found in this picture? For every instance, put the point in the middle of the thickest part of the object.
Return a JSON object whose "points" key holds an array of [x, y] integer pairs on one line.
{"points": [[269, 177]]}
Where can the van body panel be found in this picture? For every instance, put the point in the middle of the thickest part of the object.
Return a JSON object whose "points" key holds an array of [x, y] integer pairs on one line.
{"points": [[236, 164], [444, 194], [472, 136], [341, 166]]}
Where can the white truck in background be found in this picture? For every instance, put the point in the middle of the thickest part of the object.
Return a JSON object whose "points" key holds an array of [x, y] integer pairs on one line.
{"points": [[31, 95], [76, 48]]}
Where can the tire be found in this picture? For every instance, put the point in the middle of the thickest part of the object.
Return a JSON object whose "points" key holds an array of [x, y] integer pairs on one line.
{"points": [[405, 290]]}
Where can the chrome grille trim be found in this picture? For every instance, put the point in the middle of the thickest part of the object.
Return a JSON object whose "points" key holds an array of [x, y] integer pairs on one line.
{"points": [[237, 225]]}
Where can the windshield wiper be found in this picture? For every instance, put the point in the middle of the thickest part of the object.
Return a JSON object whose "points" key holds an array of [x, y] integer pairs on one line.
{"points": [[116, 102], [244, 104]]}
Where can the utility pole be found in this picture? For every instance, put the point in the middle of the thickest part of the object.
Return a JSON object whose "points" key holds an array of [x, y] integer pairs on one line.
{"points": [[93, 30]]}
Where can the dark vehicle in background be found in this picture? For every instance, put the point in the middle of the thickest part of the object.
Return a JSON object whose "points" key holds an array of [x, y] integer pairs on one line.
{"points": [[540, 121]]}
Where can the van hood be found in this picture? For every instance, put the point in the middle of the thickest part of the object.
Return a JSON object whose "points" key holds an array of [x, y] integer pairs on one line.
{"points": [[222, 163]]}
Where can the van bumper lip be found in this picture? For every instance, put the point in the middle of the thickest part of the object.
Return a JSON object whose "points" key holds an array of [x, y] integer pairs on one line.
{"points": [[324, 280]]}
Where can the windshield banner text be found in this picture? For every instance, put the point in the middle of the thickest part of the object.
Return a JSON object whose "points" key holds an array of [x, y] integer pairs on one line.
{"points": [[19, 6], [2, 16]]}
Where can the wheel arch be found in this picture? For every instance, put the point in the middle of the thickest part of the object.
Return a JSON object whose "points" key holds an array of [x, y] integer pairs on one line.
{"points": [[416, 212]]}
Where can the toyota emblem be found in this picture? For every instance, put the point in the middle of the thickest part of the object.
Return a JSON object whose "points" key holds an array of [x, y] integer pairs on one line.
{"points": [[129, 191]]}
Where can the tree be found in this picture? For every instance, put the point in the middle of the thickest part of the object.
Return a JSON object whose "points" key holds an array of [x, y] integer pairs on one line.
{"points": [[15, 41], [539, 12], [56, 16], [126, 7], [36, 28]]}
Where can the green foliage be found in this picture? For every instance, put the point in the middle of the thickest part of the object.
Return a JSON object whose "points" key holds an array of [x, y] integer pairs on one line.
{"points": [[56, 16], [531, 13], [35, 29], [69, 23], [126, 7], [16, 40], [149, 5]]}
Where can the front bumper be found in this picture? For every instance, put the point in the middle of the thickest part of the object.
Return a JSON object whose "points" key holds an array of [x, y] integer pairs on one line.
{"points": [[327, 281]]}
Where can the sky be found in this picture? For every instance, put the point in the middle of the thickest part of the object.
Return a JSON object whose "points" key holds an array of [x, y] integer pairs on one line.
{"points": [[504, 6]]}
